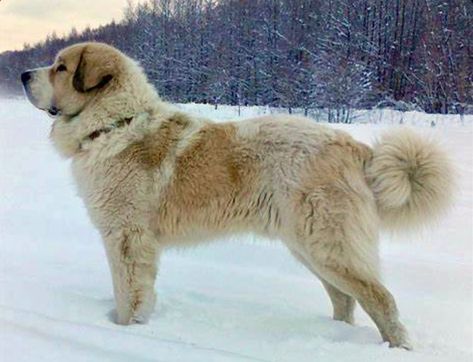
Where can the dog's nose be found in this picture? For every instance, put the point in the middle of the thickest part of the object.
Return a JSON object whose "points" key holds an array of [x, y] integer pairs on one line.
{"points": [[25, 77]]}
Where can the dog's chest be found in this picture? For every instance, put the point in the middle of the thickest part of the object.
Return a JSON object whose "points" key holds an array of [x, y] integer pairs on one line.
{"points": [[113, 192]]}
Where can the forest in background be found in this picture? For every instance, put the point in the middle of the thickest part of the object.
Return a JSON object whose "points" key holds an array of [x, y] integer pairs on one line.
{"points": [[310, 54]]}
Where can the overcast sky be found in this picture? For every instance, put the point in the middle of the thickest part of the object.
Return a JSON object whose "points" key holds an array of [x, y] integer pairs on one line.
{"points": [[28, 21]]}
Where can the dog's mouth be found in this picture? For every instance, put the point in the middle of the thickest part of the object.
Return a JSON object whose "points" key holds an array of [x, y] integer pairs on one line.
{"points": [[53, 111], [26, 80]]}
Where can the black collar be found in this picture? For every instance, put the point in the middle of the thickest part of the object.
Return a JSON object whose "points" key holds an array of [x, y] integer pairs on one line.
{"points": [[118, 124]]}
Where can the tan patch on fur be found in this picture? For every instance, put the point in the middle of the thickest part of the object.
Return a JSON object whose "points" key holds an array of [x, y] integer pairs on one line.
{"points": [[211, 186], [210, 160], [151, 151]]}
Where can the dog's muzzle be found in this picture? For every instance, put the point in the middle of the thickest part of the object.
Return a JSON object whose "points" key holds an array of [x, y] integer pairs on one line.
{"points": [[27, 79]]}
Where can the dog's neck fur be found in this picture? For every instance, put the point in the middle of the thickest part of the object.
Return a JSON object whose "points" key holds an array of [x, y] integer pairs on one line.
{"points": [[106, 108]]}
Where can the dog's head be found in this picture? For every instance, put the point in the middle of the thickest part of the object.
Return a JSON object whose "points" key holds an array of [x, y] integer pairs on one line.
{"points": [[87, 88], [79, 73]]}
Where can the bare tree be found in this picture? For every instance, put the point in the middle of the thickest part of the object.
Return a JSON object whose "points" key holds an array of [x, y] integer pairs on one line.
{"points": [[306, 54]]}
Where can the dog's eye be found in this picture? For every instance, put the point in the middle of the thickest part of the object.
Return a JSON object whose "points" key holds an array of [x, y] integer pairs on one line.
{"points": [[61, 68]]}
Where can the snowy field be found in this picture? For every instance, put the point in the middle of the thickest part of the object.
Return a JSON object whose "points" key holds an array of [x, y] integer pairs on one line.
{"points": [[239, 300]]}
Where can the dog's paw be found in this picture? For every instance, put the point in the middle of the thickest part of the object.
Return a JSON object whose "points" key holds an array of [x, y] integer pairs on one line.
{"points": [[136, 314], [404, 345], [129, 317], [140, 319], [401, 340], [121, 318]]}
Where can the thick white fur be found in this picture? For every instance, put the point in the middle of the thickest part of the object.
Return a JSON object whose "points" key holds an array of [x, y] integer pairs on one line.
{"points": [[170, 179], [412, 179]]}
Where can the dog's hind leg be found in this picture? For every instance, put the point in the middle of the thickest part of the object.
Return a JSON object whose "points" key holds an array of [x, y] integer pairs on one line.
{"points": [[343, 304], [374, 298], [336, 232], [132, 255]]}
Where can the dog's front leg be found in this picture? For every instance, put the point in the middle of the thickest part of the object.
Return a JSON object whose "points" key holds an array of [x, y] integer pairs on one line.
{"points": [[132, 255]]}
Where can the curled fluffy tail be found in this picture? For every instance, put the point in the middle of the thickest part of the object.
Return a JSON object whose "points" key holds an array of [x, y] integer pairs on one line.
{"points": [[411, 178]]}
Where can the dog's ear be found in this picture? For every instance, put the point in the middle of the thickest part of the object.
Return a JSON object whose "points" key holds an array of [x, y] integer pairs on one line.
{"points": [[94, 70]]}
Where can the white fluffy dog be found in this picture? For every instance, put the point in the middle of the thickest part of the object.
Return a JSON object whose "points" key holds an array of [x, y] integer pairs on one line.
{"points": [[153, 177]]}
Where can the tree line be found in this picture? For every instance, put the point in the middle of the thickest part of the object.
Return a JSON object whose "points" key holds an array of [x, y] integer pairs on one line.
{"points": [[332, 54]]}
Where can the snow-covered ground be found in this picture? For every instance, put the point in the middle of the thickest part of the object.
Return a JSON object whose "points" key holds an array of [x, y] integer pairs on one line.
{"points": [[238, 300]]}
